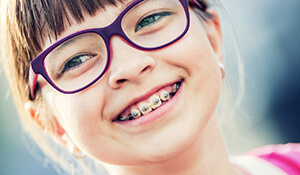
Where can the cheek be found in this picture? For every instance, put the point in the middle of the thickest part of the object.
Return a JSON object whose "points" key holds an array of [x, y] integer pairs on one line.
{"points": [[79, 114], [193, 52], [205, 80], [195, 56]]}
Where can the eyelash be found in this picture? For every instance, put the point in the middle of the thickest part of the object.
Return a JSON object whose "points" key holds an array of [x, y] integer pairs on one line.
{"points": [[157, 17], [66, 66]]}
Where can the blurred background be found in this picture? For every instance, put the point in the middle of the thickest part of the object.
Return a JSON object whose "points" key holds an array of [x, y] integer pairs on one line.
{"points": [[268, 32]]}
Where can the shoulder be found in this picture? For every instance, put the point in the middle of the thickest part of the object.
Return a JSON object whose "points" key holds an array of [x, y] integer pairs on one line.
{"points": [[286, 157], [290, 150], [272, 159]]}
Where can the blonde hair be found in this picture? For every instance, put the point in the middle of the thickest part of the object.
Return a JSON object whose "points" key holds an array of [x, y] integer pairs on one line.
{"points": [[25, 23]]}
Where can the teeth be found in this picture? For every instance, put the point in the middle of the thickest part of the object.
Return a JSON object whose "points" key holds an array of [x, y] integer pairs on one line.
{"points": [[164, 95], [122, 118], [135, 113], [155, 100], [175, 88], [145, 108]]}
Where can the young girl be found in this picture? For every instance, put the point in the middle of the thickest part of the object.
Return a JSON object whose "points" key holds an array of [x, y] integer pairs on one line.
{"points": [[133, 84]]}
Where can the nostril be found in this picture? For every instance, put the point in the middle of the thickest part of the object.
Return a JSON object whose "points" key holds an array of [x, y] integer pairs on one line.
{"points": [[121, 81], [145, 69]]}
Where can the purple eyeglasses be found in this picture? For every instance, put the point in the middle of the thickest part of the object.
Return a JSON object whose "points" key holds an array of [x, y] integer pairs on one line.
{"points": [[80, 59]]}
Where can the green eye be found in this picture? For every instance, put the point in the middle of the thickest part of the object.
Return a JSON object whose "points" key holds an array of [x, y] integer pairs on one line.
{"points": [[149, 20], [75, 62]]}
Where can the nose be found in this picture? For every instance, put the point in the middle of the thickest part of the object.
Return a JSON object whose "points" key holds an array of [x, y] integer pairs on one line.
{"points": [[128, 64]]}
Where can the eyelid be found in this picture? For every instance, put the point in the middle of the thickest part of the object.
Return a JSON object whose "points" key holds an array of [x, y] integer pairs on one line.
{"points": [[156, 12], [63, 66]]}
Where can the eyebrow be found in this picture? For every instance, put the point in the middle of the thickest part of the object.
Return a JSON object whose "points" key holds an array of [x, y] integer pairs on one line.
{"points": [[66, 44]]}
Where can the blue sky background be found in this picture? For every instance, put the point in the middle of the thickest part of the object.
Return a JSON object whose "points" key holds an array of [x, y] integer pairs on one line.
{"points": [[268, 32]]}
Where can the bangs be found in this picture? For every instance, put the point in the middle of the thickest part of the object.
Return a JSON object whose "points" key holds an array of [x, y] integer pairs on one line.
{"points": [[50, 18]]}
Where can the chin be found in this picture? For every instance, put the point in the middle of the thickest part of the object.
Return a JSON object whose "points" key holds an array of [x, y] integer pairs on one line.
{"points": [[174, 140]]}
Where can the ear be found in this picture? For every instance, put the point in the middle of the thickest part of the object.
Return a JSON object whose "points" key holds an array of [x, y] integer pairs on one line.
{"points": [[45, 121], [214, 33]]}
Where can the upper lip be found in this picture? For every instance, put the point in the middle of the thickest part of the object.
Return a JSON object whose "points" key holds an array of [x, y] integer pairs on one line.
{"points": [[144, 97]]}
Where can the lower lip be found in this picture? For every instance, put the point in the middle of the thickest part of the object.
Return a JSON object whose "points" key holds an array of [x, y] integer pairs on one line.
{"points": [[156, 114]]}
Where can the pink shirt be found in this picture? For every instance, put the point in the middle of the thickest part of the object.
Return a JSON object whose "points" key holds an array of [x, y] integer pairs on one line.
{"points": [[285, 157], [273, 160]]}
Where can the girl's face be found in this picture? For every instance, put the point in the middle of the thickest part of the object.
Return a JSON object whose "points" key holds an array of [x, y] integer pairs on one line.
{"points": [[89, 117]]}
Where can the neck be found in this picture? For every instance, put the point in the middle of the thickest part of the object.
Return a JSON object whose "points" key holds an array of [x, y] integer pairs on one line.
{"points": [[207, 155]]}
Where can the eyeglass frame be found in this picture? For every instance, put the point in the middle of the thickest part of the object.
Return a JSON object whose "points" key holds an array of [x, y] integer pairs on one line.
{"points": [[37, 66]]}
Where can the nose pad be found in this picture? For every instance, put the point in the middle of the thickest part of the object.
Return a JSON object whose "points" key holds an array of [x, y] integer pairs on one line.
{"points": [[128, 64]]}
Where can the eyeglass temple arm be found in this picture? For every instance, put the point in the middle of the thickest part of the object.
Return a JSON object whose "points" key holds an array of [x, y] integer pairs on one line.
{"points": [[197, 4], [32, 83]]}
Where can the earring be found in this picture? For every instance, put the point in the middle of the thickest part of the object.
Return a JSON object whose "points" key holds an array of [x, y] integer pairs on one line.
{"points": [[223, 71], [77, 153], [72, 148]]}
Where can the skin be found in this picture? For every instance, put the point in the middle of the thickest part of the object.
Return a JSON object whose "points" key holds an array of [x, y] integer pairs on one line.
{"points": [[185, 140]]}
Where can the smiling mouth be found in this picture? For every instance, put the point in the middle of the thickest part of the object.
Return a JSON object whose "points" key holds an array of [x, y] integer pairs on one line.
{"points": [[151, 104]]}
